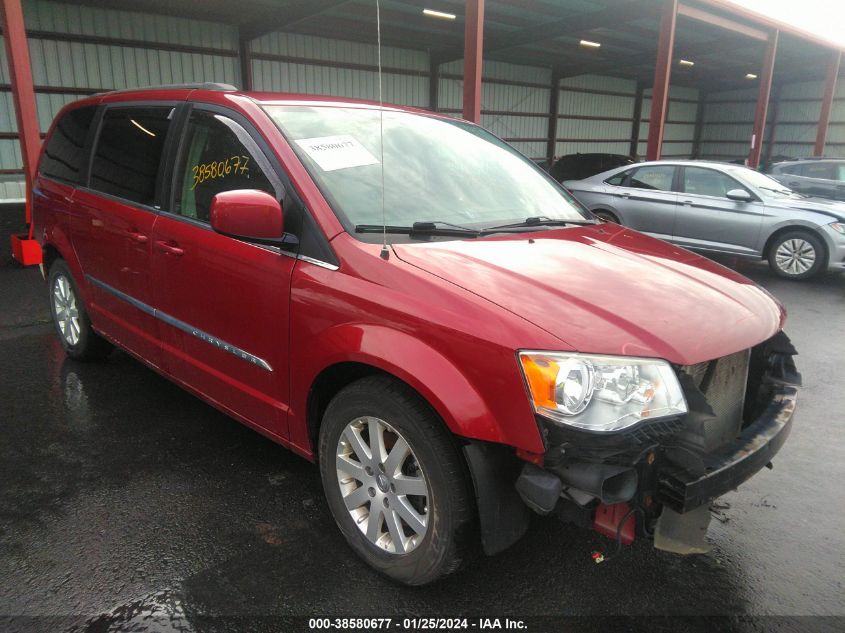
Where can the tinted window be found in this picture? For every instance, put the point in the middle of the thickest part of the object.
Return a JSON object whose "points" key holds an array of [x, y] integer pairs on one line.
{"points": [[128, 153], [708, 182], [658, 177], [218, 156], [617, 179], [818, 170], [63, 156], [795, 170]]}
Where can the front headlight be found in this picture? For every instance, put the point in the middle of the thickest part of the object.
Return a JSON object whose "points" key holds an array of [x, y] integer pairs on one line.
{"points": [[839, 227], [601, 393]]}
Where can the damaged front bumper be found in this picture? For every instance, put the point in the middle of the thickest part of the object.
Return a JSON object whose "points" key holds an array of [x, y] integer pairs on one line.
{"points": [[665, 473], [683, 490]]}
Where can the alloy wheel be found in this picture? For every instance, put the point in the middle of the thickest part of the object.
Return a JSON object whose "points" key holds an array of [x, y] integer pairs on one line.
{"points": [[382, 485], [66, 310], [795, 256]]}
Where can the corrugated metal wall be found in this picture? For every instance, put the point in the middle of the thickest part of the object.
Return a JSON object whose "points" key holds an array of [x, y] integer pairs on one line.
{"points": [[791, 122], [727, 124], [595, 114], [514, 102], [679, 131], [287, 62], [77, 50]]}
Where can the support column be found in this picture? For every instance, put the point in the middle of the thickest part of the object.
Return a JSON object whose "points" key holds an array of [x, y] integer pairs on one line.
{"points": [[246, 63], [433, 84], [827, 103], [473, 57], [23, 94], [699, 124], [634, 147], [554, 101], [766, 73], [773, 125], [662, 73]]}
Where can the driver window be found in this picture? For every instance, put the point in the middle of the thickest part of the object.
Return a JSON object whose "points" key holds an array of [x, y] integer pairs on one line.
{"points": [[218, 155], [708, 182]]}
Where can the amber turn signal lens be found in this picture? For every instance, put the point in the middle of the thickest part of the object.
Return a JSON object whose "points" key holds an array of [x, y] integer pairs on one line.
{"points": [[541, 374]]}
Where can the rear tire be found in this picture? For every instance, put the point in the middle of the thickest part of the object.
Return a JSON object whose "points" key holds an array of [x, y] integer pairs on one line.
{"points": [[422, 503], [797, 255], [607, 216], [70, 318]]}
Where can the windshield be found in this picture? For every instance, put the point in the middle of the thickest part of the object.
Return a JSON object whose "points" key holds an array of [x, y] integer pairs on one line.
{"points": [[435, 170], [770, 187]]}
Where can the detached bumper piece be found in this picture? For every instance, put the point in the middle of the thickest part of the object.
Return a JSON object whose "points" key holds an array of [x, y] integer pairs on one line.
{"points": [[683, 491]]}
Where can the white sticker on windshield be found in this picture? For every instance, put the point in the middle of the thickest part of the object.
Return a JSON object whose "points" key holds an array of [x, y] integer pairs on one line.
{"points": [[337, 152]]}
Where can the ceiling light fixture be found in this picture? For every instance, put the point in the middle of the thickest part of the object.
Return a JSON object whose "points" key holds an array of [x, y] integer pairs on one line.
{"points": [[590, 44], [686, 62], [750, 76], [439, 14]]}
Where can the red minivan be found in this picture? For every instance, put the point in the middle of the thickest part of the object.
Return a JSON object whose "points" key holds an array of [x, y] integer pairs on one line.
{"points": [[408, 301]]}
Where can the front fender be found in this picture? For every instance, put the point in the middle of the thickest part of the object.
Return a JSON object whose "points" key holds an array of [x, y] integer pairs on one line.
{"points": [[459, 402]]}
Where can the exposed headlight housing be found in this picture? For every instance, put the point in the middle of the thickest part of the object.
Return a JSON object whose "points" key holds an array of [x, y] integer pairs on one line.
{"points": [[839, 227], [601, 393]]}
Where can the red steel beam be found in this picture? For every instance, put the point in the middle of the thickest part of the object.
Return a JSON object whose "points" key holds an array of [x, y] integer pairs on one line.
{"points": [[23, 94], [662, 74], [473, 58], [725, 23], [763, 101], [827, 103]]}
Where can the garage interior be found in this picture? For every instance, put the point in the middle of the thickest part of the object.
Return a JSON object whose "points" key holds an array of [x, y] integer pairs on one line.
{"points": [[558, 77], [129, 503]]}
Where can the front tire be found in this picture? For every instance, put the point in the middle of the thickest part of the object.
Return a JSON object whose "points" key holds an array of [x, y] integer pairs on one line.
{"points": [[395, 481], [70, 319], [607, 216], [797, 255]]}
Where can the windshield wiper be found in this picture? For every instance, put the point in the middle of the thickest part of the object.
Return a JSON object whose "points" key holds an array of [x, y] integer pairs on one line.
{"points": [[537, 220], [421, 228], [784, 191]]}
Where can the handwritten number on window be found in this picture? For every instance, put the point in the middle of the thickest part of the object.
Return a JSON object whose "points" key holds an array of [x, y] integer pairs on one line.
{"points": [[219, 169]]}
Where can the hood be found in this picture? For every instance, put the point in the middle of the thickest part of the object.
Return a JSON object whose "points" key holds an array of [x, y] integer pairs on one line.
{"points": [[833, 208], [608, 290]]}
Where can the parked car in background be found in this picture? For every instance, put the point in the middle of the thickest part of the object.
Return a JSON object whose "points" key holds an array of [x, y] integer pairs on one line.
{"points": [[578, 166], [724, 208], [478, 350], [824, 177]]}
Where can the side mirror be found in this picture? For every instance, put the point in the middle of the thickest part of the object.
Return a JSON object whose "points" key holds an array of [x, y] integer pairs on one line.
{"points": [[740, 195], [250, 215]]}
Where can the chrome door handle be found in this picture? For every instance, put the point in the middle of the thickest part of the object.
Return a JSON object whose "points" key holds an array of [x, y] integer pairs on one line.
{"points": [[170, 248], [625, 194], [138, 236], [687, 203]]}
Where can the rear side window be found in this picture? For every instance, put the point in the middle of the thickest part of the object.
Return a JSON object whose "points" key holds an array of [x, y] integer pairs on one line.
{"points": [[656, 177], [818, 170], [618, 179], [219, 155], [64, 157], [795, 170], [128, 152]]}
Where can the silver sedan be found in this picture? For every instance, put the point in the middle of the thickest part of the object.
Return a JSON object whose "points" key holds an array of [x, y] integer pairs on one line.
{"points": [[724, 208]]}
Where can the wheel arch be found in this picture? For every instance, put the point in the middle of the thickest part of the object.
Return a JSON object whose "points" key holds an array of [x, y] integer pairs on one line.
{"points": [[491, 468], [435, 377], [803, 228]]}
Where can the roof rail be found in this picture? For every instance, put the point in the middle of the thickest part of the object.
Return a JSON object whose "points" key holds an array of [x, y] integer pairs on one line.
{"points": [[206, 85]]}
